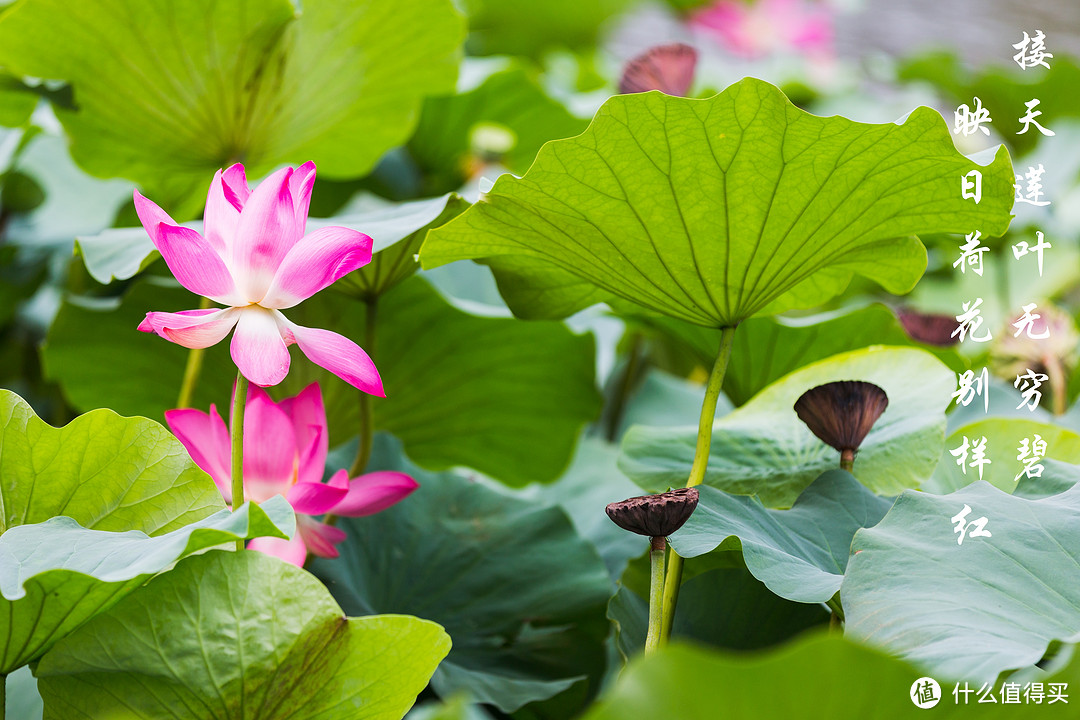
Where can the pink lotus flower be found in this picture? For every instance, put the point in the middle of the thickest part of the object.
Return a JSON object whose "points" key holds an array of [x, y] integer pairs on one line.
{"points": [[285, 447], [256, 259], [767, 26]]}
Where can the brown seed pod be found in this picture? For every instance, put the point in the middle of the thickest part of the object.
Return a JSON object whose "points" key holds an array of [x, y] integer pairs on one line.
{"points": [[667, 68], [654, 515], [931, 329], [841, 413]]}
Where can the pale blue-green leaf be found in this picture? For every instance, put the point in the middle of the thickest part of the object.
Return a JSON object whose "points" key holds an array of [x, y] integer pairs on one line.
{"points": [[56, 575], [764, 449], [521, 593], [800, 554], [1004, 440], [967, 610], [751, 617]]}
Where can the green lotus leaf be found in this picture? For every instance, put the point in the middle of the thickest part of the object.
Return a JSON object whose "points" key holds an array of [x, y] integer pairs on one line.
{"points": [[817, 677], [17, 101], [99, 358], [244, 634], [713, 210], [799, 554], [104, 471], [90, 510], [518, 392], [1056, 477], [398, 231], [767, 348], [590, 483], [161, 100], [763, 449], [1003, 444], [751, 617], [457, 552], [492, 393], [57, 574], [972, 609]]}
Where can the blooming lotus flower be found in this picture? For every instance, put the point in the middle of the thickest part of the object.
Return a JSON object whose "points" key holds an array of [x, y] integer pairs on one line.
{"points": [[285, 447], [254, 258], [768, 26]]}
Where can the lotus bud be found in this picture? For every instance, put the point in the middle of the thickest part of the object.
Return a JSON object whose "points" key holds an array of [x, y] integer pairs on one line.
{"points": [[667, 68], [930, 329], [841, 414]]}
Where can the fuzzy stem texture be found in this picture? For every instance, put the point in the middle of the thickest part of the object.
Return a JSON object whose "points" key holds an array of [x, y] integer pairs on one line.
{"points": [[656, 593], [236, 425], [697, 470], [192, 369]]}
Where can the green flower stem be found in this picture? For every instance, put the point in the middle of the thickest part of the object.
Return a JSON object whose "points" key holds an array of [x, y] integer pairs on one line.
{"points": [[192, 369], [836, 621], [656, 593], [236, 425], [697, 471], [847, 460], [367, 410]]}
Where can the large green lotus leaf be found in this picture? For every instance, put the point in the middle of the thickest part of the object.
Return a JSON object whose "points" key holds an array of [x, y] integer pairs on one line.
{"points": [[799, 554], [100, 359], [967, 610], [502, 396], [764, 449], [817, 677], [57, 574], [105, 471], [519, 591], [238, 635], [765, 348], [508, 107], [725, 608], [1003, 442], [168, 92], [537, 290], [711, 210], [397, 231]]}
